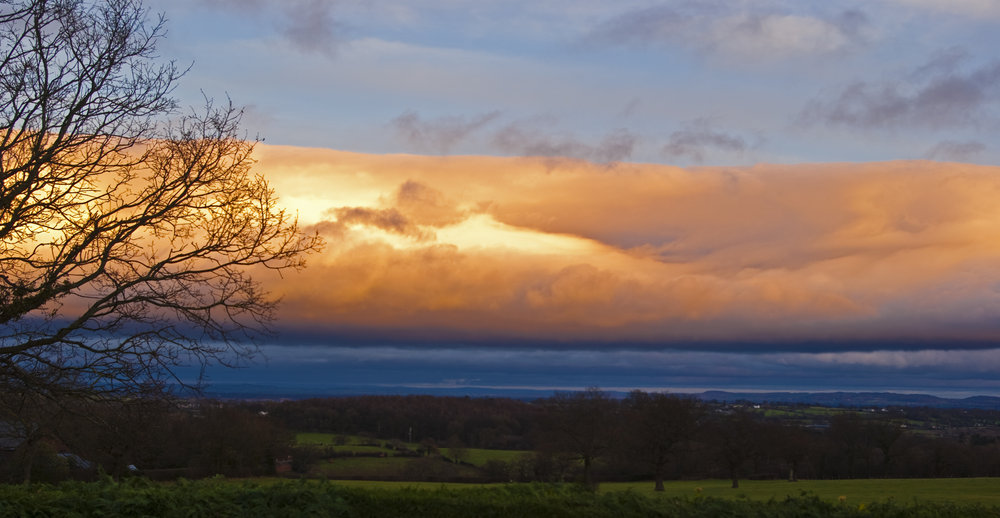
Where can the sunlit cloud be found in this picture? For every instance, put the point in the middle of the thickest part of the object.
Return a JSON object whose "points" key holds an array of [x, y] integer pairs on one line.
{"points": [[491, 249]]}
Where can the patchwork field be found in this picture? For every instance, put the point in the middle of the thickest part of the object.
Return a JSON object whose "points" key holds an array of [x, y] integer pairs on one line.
{"points": [[345, 470]]}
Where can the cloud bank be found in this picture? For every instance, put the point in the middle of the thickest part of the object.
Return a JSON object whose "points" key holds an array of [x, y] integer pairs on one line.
{"points": [[517, 250], [744, 31]]}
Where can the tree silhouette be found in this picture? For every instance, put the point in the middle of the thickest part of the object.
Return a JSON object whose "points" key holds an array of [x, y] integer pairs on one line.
{"points": [[657, 423], [582, 424], [737, 439], [129, 236]]}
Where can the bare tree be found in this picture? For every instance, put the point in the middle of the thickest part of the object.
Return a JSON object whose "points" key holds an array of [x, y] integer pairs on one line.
{"points": [[656, 424], [737, 438], [128, 236], [582, 424]]}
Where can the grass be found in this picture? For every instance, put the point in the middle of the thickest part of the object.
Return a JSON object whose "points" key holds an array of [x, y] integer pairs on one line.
{"points": [[962, 491], [984, 491], [479, 457], [475, 456], [362, 467], [354, 444]]}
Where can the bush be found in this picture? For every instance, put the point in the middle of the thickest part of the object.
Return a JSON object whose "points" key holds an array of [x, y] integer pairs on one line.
{"points": [[219, 497]]}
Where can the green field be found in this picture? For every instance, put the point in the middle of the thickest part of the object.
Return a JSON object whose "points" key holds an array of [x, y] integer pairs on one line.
{"points": [[985, 491], [479, 457], [365, 467], [354, 444], [959, 490], [475, 456]]}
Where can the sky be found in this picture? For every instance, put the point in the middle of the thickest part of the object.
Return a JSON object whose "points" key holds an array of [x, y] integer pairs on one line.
{"points": [[766, 195]]}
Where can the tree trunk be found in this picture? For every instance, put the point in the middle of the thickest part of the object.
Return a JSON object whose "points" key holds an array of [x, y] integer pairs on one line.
{"points": [[29, 461], [791, 474], [588, 477]]}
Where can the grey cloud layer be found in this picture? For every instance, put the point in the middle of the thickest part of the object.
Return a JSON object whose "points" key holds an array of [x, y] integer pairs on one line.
{"points": [[954, 373], [525, 138], [758, 31], [963, 151], [939, 94], [309, 25], [698, 138], [441, 134]]}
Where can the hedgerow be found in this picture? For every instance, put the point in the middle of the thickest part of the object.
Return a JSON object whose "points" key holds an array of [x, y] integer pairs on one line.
{"points": [[225, 498]]}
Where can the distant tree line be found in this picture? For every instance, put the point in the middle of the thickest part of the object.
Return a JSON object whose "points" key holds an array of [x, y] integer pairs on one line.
{"points": [[590, 436], [586, 436], [146, 437]]}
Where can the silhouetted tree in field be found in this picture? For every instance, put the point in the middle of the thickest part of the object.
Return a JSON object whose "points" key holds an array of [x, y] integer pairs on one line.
{"points": [[128, 235], [885, 436], [737, 440], [582, 424], [848, 433], [656, 424], [791, 444]]}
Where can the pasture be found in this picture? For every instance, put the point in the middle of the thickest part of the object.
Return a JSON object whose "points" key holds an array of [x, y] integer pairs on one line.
{"points": [[345, 470], [983, 491]]}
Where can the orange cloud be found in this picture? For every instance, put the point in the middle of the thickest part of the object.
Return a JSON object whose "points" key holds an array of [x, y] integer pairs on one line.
{"points": [[515, 248]]}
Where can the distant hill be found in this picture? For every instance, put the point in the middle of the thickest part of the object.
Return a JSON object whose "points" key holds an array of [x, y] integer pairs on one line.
{"points": [[832, 399], [854, 399]]}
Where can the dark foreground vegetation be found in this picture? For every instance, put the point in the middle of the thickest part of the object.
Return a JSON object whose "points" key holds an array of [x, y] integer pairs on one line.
{"points": [[220, 498]]}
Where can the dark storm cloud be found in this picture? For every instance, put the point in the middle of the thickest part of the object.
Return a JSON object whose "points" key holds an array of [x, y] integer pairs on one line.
{"points": [[938, 94], [958, 372], [441, 134], [699, 138], [524, 139], [954, 150]]}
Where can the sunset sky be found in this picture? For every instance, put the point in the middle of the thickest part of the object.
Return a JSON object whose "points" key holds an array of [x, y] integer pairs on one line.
{"points": [[766, 195]]}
